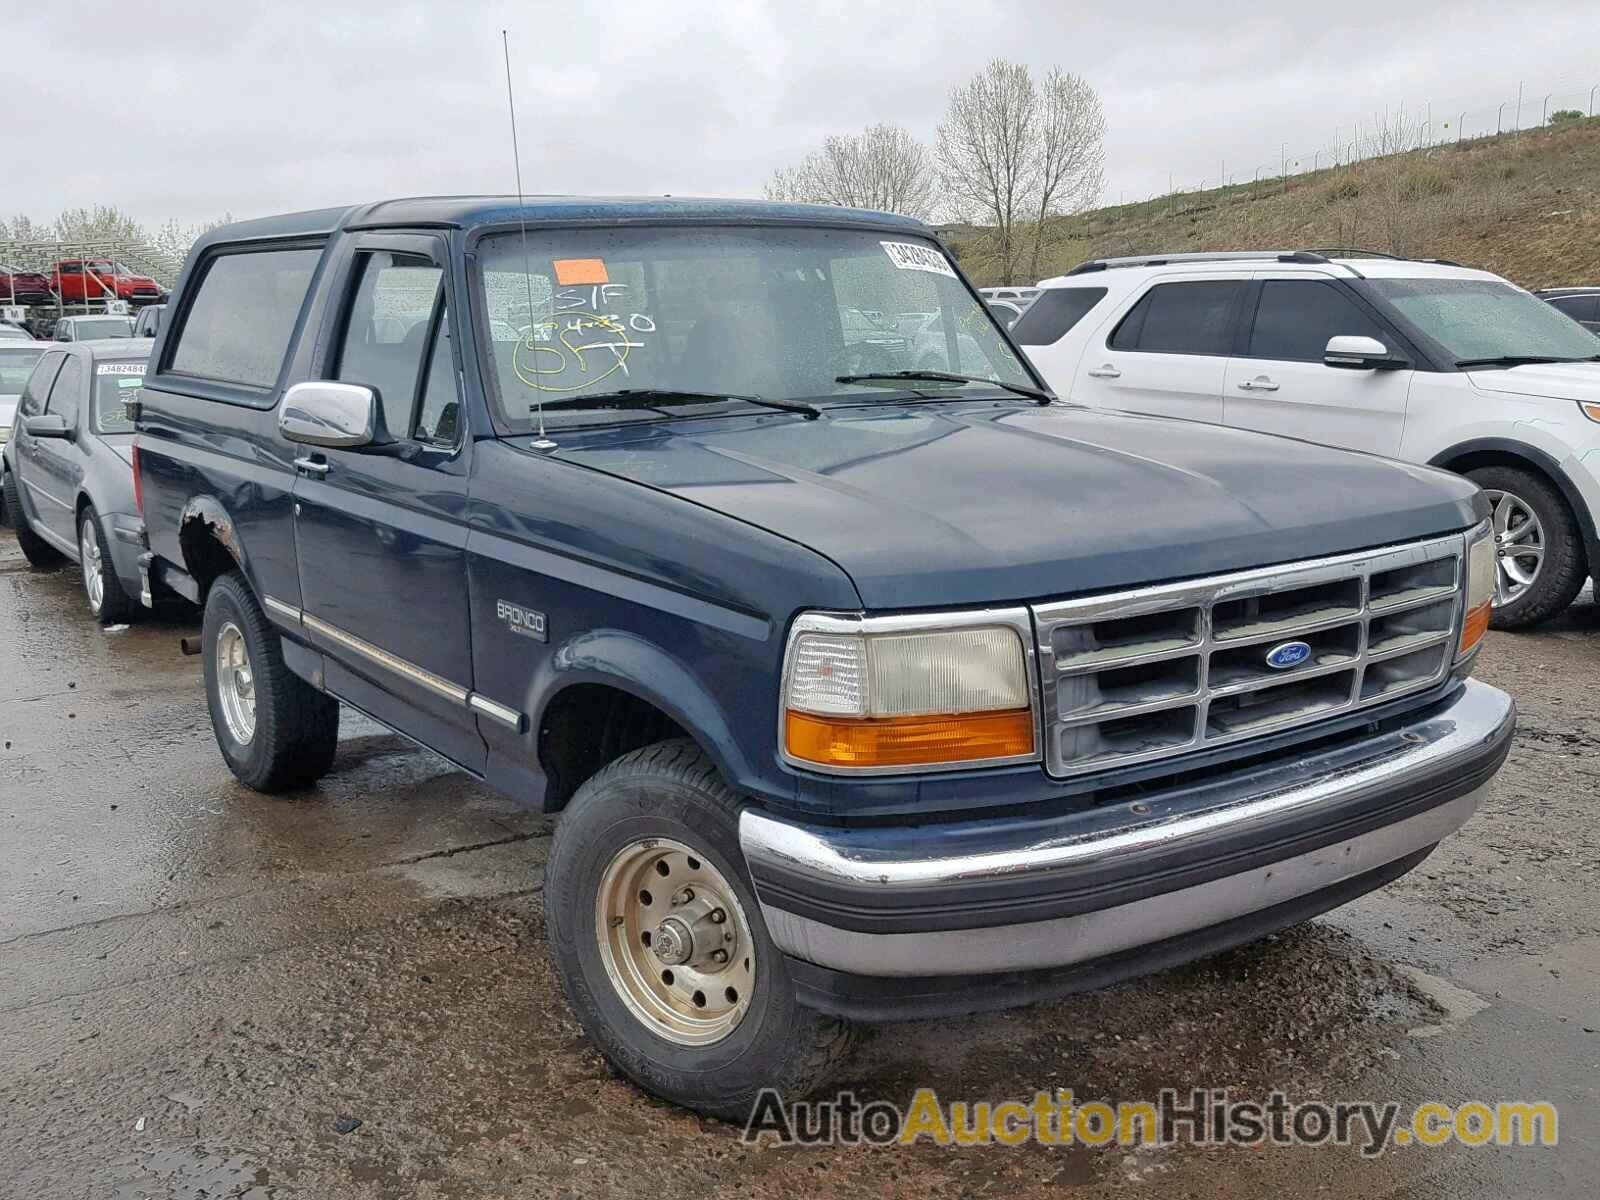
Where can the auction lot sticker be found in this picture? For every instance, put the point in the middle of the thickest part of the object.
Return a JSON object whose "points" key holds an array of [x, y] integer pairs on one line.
{"points": [[909, 256], [121, 368]]}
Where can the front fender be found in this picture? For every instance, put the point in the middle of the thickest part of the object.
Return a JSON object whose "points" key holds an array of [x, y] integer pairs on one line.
{"points": [[641, 668]]}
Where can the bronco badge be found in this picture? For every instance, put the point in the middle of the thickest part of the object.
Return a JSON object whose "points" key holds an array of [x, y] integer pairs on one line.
{"points": [[524, 621]]}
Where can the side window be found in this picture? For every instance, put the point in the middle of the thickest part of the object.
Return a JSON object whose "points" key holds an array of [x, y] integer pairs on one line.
{"points": [[64, 398], [1182, 318], [386, 332], [439, 417], [1047, 319], [238, 326], [37, 388], [1296, 317], [1579, 308]]}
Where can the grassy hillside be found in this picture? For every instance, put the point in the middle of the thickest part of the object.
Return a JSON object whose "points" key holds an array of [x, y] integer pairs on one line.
{"points": [[1526, 206]]}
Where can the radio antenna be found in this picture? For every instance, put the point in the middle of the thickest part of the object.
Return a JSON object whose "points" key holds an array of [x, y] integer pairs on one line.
{"points": [[542, 442]]}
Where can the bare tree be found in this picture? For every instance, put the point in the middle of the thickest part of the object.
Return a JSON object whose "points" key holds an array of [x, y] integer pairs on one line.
{"points": [[882, 168], [1070, 153], [987, 157], [1014, 154]]}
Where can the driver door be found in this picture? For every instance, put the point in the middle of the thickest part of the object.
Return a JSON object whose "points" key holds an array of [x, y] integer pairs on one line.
{"points": [[380, 531], [1278, 383]]}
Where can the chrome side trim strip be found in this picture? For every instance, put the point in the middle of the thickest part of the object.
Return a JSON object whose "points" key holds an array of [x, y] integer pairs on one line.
{"points": [[399, 666], [44, 495], [287, 611], [498, 712], [451, 691]]}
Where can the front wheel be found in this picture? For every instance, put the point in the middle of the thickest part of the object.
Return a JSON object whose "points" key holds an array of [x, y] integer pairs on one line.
{"points": [[1539, 556], [660, 944], [275, 730]]}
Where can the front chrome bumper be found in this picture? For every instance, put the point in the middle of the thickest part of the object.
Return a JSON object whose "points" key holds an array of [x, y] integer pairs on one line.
{"points": [[1024, 894]]}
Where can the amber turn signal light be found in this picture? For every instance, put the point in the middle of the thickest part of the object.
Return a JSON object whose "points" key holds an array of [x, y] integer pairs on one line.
{"points": [[908, 741], [1475, 626]]}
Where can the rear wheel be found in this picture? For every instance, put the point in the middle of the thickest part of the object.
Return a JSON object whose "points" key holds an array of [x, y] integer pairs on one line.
{"points": [[660, 944], [109, 603], [1539, 557], [35, 549], [275, 730]]}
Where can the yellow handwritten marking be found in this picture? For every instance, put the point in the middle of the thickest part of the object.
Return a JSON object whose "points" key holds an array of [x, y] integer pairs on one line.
{"points": [[564, 327]]}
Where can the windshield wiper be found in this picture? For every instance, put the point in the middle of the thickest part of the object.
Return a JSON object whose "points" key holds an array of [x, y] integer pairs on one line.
{"points": [[653, 397], [1021, 389], [1521, 360]]}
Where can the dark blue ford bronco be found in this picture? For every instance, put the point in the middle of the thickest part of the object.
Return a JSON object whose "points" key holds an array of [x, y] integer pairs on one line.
{"points": [[870, 680]]}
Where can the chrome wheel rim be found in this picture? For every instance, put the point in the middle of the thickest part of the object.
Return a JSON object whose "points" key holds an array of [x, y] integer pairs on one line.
{"points": [[236, 684], [1518, 544], [675, 942], [94, 580]]}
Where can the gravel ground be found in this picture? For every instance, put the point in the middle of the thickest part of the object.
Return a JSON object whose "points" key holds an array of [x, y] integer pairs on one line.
{"points": [[203, 990]]}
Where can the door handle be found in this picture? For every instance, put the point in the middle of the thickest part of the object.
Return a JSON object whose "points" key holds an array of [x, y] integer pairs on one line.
{"points": [[1104, 372], [1261, 384], [312, 466]]}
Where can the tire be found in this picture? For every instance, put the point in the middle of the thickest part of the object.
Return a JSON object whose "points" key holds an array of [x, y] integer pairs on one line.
{"points": [[292, 729], [670, 795], [108, 602], [35, 549], [1561, 571]]}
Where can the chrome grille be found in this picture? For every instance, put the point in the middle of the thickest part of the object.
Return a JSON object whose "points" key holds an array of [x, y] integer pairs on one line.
{"points": [[1164, 671]]}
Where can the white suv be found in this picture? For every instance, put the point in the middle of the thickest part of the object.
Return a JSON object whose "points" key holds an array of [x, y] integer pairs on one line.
{"points": [[1425, 361]]}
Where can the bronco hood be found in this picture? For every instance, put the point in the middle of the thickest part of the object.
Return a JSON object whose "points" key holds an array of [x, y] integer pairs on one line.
{"points": [[1549, 381], [968, 502]]}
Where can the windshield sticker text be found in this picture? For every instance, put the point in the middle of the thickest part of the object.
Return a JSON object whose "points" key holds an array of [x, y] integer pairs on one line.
{"points": [[909, 256], [133, 368]]}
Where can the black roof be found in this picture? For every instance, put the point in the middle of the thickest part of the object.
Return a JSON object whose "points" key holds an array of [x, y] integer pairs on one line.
{"points": [[463, 212]]}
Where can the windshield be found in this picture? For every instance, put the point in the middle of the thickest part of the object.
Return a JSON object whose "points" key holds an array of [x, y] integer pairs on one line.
{"points": [[15, 367], [1485, 319], [102, 327], [777, 313], [115, 382]]}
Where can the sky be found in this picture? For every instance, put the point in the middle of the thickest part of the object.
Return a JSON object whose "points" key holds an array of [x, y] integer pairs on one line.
{"points": [[190, 109]]}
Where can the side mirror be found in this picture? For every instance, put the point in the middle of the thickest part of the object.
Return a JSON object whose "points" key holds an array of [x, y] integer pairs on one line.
{"points": [[1361, 354], [338, 416], [48, 425]]}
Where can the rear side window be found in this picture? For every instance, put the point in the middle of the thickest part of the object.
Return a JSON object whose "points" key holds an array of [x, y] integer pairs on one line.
{"points": [[1296, 317], [238, 326], [1057, 310], [1182, 318]]}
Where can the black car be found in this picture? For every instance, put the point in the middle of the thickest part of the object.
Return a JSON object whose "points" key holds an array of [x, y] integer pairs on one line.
{"points": [[68, 474], [1582, 304]]}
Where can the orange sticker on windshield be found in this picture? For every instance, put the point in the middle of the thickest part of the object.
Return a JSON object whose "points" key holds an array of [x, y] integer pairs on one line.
{"points": [[571, 271]]}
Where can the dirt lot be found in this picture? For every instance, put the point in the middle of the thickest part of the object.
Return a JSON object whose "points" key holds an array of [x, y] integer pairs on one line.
{"points": [[200, 987]]}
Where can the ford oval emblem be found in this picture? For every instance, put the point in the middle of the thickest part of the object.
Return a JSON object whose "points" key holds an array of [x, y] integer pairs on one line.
{"points": [[1287, 654]]}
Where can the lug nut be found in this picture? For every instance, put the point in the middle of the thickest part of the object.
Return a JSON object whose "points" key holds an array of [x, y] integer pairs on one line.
{"points": [[718, 916], [719, 956], [684, 896]]}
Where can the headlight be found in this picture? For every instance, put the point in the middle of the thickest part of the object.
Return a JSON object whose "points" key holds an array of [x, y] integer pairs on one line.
{"points": [[1480, 588], [876, 694]]}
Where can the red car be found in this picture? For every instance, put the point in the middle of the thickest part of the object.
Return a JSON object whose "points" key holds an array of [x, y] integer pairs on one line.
{"points": [[23, 287], [87, 279]]}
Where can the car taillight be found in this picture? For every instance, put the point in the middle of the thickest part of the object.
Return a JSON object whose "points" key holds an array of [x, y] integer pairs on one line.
{"points": [[138, 484]]}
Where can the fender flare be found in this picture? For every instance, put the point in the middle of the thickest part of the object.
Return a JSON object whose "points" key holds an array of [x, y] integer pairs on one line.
{"points": [[1546, 464], [642, 669]]}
